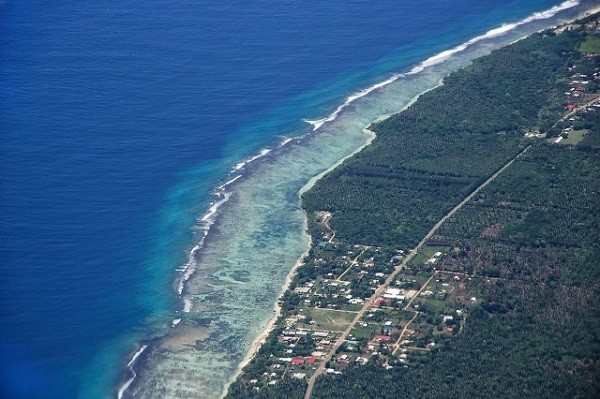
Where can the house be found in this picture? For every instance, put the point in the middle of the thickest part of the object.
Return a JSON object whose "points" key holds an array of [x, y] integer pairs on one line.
{"points": [[383, 338], [311, 360], [382, 302], [302, 290], [298, 361], [570, 107], [362, 360], [394, 293]]}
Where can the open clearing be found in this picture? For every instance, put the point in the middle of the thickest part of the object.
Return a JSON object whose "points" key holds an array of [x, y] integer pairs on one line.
{"points": [[330, 320]]}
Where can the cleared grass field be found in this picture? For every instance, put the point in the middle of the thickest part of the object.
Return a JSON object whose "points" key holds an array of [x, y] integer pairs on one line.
{"points": [[330, 320], [426, 253], [574, 137], [591, 45], [365, 332]]}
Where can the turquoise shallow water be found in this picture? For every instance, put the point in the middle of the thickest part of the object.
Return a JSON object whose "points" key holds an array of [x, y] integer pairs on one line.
{"points": [[120, 120], [258, 233]]}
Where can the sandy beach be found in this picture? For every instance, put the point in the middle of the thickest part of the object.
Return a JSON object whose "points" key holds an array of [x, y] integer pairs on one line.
{"points": [[370, 134], [261, 338], [257, 343]]}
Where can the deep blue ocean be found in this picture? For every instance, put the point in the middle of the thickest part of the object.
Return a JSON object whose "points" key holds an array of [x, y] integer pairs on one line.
{"points": [[117, 119]]}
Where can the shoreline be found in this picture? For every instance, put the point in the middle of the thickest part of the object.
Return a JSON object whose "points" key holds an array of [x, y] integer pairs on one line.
{"points": [[371, 135], [272, 321], [270, 326]]}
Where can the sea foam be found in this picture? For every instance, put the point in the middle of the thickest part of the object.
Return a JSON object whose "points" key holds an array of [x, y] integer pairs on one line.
{"points": [[254, 238], [209, 218], [443, 56], [204, 223], [130, 367]]}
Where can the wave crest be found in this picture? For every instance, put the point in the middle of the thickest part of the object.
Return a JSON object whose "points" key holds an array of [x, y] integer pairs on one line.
{"points": [[443, 56]]}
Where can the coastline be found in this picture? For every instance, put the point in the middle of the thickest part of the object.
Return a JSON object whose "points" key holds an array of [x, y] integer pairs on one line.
{"points": [[271, 323], [270, 326], [371, 135], [317, 124]]}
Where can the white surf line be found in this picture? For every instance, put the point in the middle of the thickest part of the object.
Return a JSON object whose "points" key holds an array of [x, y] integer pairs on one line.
{"points": [[443, 56], [130, 365], [319, 122], [190, 267]]}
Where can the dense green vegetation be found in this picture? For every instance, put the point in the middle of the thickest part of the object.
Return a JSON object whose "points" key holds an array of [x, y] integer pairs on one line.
{"points": [[536, 331], [592, 138], [591, 45], [535, 233], [530, 241], [287, 388], [430, 156]]}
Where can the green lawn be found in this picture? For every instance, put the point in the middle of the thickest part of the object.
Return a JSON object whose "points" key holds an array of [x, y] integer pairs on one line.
{"points": [[592, 139], [351, 275], [426, 253], [591, 45], [365, 332], [330, 320], [351, 308], [575, 136], [434, 305]]}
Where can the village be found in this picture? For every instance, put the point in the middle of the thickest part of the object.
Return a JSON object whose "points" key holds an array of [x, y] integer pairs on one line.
{"points": [[580, 93], [581, 97], [354, 304], [365, 304]]}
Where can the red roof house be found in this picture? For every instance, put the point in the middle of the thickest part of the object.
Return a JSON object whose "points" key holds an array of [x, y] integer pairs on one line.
{"points": [[570, 107], [382, 301], [298, 361], [312, 360]]}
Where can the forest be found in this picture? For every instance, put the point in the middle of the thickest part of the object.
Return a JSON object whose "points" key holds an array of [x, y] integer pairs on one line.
{"points": [[429, 157], [536, 331], [529, 241]]}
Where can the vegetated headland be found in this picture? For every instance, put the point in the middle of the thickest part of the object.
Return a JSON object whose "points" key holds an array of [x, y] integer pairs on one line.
{"points": [[457, 255]]}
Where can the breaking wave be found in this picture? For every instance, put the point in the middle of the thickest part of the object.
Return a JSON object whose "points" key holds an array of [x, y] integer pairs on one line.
{"points": [[443, 56]]}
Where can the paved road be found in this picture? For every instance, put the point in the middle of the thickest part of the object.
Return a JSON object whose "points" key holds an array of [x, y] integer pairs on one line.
{"points": [[411, 254]]}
